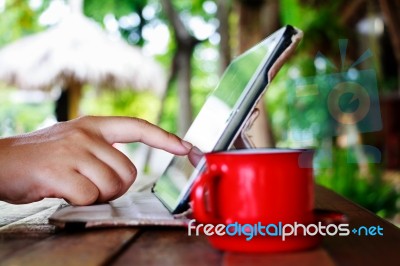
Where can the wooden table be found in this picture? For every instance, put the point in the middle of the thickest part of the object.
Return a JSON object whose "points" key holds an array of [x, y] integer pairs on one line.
{"points": [[27, 239]]}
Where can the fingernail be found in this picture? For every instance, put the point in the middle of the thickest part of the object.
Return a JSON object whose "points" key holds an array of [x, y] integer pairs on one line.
{"points": [[187, 145], [197, 151]]}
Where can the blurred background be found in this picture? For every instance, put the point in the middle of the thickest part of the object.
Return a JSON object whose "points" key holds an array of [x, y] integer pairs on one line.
{"points": [[159, 59]]}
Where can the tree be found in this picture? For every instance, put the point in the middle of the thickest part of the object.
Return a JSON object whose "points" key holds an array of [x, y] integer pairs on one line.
{"points": [[391, 12], [120, 9], [258, 19], [19, 19], [223, 13], [181, 64]]}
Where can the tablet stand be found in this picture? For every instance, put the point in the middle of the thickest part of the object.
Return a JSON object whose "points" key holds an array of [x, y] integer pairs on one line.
{"points": [[243, 140]]}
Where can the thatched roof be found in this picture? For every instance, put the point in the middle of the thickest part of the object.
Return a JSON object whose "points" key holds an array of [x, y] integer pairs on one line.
{"points": [[77, 50]]}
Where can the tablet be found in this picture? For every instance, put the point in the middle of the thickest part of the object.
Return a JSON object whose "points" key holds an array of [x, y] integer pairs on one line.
{"points": [[225, 112]]}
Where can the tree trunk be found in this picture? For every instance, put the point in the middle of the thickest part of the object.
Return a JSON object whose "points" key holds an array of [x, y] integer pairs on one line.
{"points": [[257, 19], [184, 73], [391, 14], [62, 106], [182, 60], [224, 8], [74, 97], [67, 105]]}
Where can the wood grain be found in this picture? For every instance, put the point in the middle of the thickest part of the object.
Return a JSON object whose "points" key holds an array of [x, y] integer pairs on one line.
{"points": [[164, 246], [27, 239], [355, 249], [92, 247], [302, 258]]}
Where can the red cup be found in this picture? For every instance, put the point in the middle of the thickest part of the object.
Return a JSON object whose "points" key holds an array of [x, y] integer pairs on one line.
{"points": [[257, 186]]}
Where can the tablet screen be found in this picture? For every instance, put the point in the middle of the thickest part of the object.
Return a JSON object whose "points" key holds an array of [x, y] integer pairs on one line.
{"points": [[210, 129]]}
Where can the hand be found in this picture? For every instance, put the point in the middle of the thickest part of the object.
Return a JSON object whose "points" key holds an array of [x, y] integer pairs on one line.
{"points": [[75, 160]]}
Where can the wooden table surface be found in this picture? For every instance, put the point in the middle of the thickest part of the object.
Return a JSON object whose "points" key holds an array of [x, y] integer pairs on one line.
{"points": [[27, 239]]}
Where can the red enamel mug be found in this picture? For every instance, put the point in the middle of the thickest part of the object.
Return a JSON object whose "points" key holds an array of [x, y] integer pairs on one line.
{"points": [[257, 187]]}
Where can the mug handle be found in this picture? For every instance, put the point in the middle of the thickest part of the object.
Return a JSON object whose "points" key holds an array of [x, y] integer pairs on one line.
{"points": [[206, 181]]}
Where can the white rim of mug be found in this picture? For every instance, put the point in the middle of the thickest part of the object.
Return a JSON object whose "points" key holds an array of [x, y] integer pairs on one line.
{"points": [[263, 151]]}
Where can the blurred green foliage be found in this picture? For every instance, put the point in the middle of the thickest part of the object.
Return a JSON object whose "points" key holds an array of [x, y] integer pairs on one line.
{"points": [[318, 20], [98, 10], [204, 80], [19, 20], [310, 117], [370, 191], [17, 117], [144, 105]]}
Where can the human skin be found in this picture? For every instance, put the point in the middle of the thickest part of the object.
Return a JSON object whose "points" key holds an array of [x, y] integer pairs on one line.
{"points": [[75, 160]]}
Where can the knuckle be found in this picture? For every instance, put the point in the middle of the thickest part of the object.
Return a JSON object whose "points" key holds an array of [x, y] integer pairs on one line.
{"points": [[86, 196], [170, 136], [83, 120], [143, 123], [144, 126], [113, 187], [47, 168], [77, 134], [109, 187], [131, 175]]}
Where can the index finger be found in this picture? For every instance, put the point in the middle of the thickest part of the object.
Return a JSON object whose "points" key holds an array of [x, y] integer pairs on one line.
{"points": [[129, 129]]}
